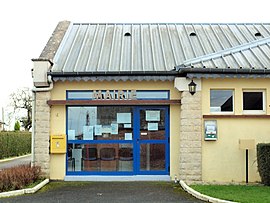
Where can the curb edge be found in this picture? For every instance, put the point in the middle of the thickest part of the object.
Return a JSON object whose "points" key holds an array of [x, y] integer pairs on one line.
{"points": [[13, 158], [25, 191], [201, 196]]}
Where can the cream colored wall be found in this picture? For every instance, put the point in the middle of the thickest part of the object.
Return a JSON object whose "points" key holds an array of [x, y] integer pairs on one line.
{"points": [[58, 116], [58, 127], [222, 160], [174, 140]]}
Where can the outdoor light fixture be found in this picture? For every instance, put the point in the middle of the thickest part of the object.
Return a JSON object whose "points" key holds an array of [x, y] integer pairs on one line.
{"points": [[192, 87]]}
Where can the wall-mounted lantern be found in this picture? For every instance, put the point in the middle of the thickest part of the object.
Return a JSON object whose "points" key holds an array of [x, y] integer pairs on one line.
{"points": [[192, 87]]}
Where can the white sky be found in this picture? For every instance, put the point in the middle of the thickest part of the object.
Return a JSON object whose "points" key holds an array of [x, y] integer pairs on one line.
{"points": [[26, 25]]}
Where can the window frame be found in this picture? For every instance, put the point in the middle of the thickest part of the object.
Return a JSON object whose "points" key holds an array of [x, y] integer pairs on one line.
{"points": [[223, 112], [254, 112]]}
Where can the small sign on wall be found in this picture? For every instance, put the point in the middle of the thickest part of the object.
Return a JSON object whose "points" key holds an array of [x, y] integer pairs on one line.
{"points": [[210, 130]]}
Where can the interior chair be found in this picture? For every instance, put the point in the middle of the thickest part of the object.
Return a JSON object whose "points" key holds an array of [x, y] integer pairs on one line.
{"points": [[125, 159], [89, 159], [107, 159]]}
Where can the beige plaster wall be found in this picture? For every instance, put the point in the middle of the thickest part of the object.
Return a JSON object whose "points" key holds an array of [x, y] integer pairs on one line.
{"points": [[222, 160]]}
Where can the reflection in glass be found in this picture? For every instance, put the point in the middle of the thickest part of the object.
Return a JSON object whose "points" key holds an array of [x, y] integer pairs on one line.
{"points": [[100, 157], [100, 123], [221, 100], [152, 127], [152, 157]]}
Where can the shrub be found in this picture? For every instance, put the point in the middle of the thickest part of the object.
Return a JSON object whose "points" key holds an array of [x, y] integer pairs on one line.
{"points": [[263, 158], [18, 177], [14, 144], [17, 126]]}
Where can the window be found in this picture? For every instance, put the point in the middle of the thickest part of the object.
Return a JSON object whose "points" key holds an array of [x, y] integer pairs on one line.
{"points": [[221, 101], [100, 123], [253, 101]]}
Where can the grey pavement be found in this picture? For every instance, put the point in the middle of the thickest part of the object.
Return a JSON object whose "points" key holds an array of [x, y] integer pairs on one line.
{"points": [[62, 192], [15, 162]]}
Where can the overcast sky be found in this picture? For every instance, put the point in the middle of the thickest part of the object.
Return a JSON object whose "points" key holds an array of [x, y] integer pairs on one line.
{"points": [[26, 25]]}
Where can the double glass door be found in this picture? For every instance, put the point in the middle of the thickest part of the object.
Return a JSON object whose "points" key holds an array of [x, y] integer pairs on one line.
{"points": [[112, 140]]}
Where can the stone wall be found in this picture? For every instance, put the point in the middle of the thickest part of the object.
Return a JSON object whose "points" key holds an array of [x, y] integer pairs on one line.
{"points": [[42, 132], [191, 137]]}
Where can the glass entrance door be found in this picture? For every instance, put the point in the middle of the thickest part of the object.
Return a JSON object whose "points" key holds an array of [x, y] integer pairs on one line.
{"points": [[152, 141], [117, 140]]}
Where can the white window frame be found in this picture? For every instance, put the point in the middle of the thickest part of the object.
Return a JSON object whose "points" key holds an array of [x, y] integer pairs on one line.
{"points": [[222, 112], [254, 112]]}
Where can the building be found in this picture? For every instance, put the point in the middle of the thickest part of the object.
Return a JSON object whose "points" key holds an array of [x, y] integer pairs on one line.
{"points": [[152, 101]]}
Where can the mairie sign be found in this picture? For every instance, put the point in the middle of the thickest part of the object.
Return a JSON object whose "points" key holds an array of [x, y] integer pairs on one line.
{"points": [[114, 95]]}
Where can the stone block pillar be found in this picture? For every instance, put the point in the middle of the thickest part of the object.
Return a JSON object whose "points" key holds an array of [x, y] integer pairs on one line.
{"points": [[42, 132], [190, 131], [191, 137]]}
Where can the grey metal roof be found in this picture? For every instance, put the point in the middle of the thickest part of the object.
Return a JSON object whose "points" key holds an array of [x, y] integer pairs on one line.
{"points": [[140, 48]]}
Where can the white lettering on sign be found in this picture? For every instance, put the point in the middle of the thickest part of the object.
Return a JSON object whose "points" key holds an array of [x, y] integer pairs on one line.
{"points": [[114, 95]]}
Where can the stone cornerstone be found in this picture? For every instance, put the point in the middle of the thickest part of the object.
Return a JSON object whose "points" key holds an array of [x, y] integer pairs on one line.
{"points": [[191, 137], [42, 132]]}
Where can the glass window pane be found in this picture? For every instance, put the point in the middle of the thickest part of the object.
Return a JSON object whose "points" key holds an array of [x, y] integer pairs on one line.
{"points": [[100, 157], [80, 95], [152, 124], [221, 100], [253, 100], [152, 157], [152, 94], [100, 123]]}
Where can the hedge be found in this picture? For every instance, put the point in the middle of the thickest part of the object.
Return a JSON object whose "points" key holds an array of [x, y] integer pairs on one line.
{"points": [[14, 144], [18, 177], [263, 158]]}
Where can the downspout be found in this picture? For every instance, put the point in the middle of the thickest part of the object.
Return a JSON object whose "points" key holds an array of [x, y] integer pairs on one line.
{"points": [[34, 90]]}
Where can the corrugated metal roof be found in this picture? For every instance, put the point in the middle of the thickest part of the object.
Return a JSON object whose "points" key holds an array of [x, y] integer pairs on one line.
{"points": [[91, 48]]}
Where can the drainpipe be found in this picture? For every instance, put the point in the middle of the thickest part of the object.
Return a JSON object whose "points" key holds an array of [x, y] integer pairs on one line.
{"points": [[34, 90]]}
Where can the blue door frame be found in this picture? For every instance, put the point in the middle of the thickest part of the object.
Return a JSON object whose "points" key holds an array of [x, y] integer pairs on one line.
{"points": [[137, 141], [136, 146]]}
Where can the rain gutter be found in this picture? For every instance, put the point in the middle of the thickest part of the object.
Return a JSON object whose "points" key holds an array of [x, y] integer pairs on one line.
{"points": [[183, 71], [115, 73]]}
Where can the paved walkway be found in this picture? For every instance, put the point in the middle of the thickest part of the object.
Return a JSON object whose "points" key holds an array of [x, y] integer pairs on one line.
{"points": [[106, 192], [15, 161]]}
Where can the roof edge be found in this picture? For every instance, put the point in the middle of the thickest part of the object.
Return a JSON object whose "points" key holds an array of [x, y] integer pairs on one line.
{"points": [[43, 59], [55, 40], [115, 73], [185, 70]]}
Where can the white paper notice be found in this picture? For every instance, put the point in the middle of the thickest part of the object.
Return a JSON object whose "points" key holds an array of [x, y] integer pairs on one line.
{"points": [[92, 115], [123, 117], [127, 125], [152, 116], [88, 132], [128, 136], [107, 129], [114, 127], [71, 134], [211, 129], [152, 126], [98, 129]]}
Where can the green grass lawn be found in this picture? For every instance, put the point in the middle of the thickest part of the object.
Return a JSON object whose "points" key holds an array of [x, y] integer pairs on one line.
{"points": [[237, 193]]}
